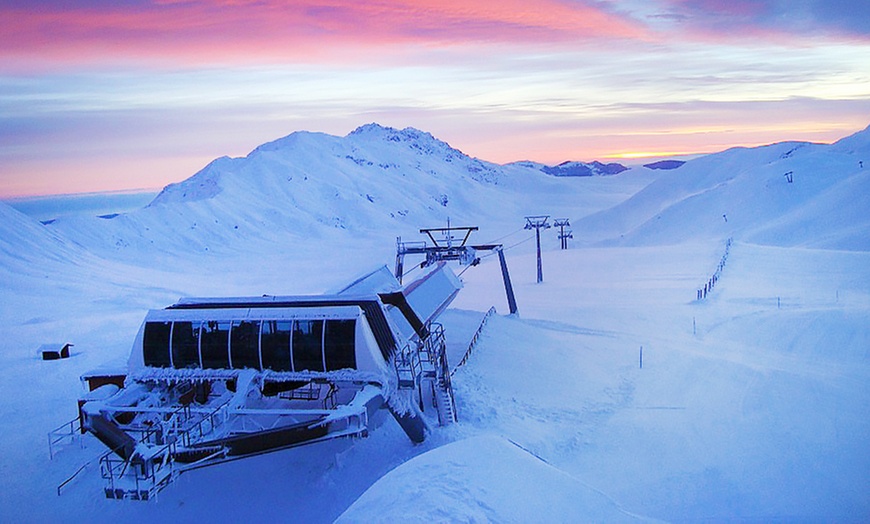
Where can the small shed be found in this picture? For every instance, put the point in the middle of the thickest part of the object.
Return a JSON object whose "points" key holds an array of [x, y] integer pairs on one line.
{"points": [[54, 351]]}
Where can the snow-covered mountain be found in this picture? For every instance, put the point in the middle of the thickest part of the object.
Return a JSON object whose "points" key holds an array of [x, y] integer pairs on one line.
{"points": [[376, 179], [785, 194], [332, 163], [379, 179]]}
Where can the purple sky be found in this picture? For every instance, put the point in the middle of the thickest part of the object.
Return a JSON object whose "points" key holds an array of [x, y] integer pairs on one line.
{"points": [[123, 94]]}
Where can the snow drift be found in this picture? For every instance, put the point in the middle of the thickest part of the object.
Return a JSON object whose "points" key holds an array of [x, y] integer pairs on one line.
{"points": [[482, 479]]}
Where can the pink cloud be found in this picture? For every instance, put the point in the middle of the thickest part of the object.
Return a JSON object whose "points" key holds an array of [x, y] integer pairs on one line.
{"points": [[216, 31]]}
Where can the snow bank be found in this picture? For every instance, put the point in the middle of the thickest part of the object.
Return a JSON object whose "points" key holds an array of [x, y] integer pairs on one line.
{"points": [[482, 479]]}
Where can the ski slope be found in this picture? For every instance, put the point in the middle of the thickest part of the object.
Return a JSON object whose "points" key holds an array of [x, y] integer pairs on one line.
{"points": [[748, 405]]}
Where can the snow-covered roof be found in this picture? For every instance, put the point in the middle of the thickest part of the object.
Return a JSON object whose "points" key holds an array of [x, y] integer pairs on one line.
{"points": [[254, 313]]}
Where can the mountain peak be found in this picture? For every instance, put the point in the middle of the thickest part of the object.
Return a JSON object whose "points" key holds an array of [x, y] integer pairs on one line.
{"points": [[375, 130]]}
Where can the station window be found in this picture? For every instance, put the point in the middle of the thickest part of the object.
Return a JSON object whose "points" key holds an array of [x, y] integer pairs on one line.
{"points": [[308, 345], [214, 343], [275, 344], [338, 344], [244, 344], [185, 345], [155, 344]]}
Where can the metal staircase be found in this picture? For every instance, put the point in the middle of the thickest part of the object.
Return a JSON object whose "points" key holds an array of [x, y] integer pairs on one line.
{"points": [[426, 366], [439, 370]]}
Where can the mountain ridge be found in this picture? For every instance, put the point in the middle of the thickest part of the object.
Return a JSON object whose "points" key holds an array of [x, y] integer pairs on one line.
{"points": [[384, 182]]}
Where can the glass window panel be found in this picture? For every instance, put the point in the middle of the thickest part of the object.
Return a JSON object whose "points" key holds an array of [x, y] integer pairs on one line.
{"points": [[185, 345], [155, 344], [275, 344], [308, 345], [244, 344], [338, 344], [215, 337]]}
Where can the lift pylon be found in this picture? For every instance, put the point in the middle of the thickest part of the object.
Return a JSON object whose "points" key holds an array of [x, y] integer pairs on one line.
{"points": [[565, 232], [537, 223], [451, 244]]}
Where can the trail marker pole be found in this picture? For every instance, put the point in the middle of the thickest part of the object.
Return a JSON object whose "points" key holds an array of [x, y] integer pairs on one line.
{"points": [[537, 223], [641, 357]]}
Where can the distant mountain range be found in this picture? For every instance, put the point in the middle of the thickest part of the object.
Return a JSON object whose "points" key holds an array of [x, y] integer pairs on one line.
{"points": [[664, 164], [386, 182], [571, 168]]}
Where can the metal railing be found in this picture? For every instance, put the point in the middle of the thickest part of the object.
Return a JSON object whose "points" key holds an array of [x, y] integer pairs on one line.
{"points": [[442, 377], [437, 368], [408, 367], [147, 476], [474, 339], [140, 478], [66, 431], [84, 466]]}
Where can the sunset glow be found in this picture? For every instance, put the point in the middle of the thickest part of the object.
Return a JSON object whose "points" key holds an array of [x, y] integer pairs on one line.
{"points": [[647, 154], [99, 95]]}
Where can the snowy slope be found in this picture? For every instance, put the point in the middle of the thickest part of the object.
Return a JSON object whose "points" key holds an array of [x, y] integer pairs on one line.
{"points": [[482, 479], [23, 240], [746, 193], [748, 405]]}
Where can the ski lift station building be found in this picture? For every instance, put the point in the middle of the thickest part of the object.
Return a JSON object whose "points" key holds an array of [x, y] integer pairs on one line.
{"points": [[213, 379]]}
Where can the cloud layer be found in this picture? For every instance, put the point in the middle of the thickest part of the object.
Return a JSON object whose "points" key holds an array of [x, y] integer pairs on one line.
{"points": [[108, 94]]}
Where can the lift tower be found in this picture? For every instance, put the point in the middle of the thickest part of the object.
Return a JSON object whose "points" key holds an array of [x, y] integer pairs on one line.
{"points": [[564, 234], [537, 223], [451, 243]]}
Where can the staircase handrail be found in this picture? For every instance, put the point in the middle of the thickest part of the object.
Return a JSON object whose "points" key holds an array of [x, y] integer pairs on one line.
{"points": [[62, 432], [407, 361], [98, 458], [471, 345]]}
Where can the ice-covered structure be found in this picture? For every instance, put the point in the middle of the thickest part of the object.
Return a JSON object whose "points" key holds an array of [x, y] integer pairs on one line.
{"points": [[214, 379]]}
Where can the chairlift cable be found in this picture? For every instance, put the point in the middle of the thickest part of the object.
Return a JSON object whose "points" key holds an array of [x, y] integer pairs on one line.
{"points": [[519, 243], [508, 247], [497, 240], [413, 268]]}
